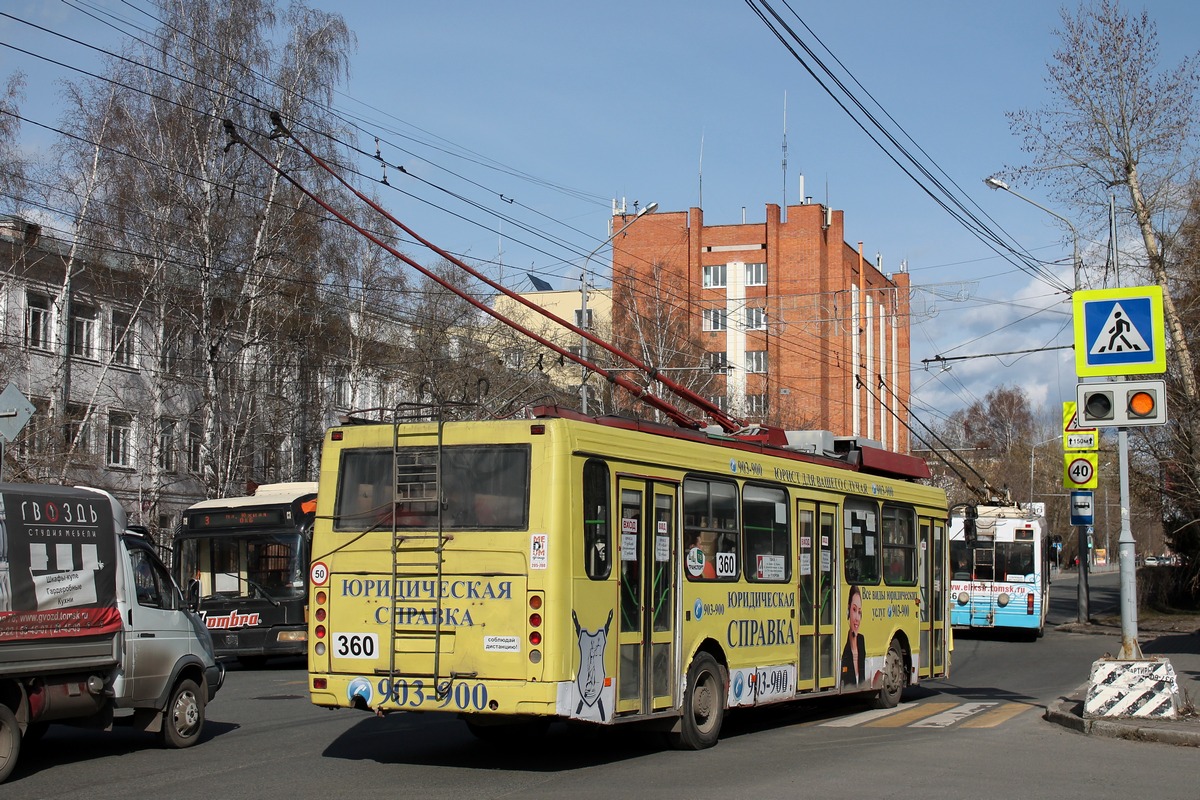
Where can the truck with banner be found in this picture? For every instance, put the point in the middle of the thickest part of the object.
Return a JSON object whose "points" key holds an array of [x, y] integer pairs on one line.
{"points": [[93, 630]]}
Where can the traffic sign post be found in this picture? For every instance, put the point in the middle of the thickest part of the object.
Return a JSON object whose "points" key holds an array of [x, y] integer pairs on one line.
{"points": [[15, 411], [1082, 508], [1119, 332], [1079, 470], [1076, 436]]}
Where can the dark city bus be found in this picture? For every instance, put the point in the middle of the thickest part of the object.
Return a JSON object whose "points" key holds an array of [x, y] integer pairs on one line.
{"points": [[244, 561]]}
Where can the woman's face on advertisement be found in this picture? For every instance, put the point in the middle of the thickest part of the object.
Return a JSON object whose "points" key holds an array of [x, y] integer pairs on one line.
{"points": [[855, 611]]}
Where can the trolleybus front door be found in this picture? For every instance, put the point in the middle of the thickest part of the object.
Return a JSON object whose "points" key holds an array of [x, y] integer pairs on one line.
{"points": [[934, 585], [646, 628], [816, 577]]}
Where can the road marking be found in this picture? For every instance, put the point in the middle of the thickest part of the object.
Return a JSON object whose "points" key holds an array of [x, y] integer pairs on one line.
{"points": [[910, 715], [855, 720], [950, 717], [1004, 713], [975, 714]]}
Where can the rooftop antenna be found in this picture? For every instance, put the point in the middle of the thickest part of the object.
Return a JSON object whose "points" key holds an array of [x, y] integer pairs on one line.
{"points": [[785, 152], [700, 201]]}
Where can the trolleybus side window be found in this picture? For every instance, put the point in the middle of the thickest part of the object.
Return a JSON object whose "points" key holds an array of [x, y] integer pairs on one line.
{"points": [[597, 533], [861, 520], [710, 529], [766, 538], [899, 546]]}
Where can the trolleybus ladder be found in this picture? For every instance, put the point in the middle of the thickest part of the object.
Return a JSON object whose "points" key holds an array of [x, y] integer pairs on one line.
{"points": [[983, 562], [418, 557]]}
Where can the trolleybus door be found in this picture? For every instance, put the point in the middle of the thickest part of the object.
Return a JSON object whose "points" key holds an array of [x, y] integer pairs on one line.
{"points": [[933, 583], [646, 627], [808, 569], [828, 649], [817, 571]]}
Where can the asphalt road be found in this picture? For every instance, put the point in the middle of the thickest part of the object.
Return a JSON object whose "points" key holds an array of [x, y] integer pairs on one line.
{"points": [[978, 734]]}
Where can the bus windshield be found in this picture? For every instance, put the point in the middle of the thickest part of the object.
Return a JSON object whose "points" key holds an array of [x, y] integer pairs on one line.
{"points": [[267, 565], [482, 487]]}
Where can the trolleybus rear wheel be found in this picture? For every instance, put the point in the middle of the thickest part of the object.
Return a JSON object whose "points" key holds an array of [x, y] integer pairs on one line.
{"points": [[893, 678], [703, 705]]}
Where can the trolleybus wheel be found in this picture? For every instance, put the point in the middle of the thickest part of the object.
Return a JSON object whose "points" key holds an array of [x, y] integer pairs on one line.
{"points": [[703, 705], [10, 741], [893, 678], [183, 718]]}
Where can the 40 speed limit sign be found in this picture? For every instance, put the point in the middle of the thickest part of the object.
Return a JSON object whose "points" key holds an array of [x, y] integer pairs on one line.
{"points": [[1079, 470]]}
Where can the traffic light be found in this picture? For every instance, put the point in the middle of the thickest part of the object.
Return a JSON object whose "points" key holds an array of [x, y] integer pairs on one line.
{"points": [[1122, 404]]}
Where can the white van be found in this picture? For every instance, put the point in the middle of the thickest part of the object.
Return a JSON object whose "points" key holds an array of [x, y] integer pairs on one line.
{"points": [[93, 630]]}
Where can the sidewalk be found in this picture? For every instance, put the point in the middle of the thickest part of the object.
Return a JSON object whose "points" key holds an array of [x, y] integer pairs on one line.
{"points": [[1179, 643]]}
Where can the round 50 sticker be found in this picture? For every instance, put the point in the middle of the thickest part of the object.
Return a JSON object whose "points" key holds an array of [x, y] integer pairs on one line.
{"points": [[319, 573]]}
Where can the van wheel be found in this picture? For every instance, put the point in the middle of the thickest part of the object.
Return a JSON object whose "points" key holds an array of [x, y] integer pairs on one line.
{"points": [[894, 678], [183, 718], [10, 741], [703, 706]]}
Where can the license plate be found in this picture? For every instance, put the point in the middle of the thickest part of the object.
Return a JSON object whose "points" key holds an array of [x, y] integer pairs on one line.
{"points": [[231, 640]]}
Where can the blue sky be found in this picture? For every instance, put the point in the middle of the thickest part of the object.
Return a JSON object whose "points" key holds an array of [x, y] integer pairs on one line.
{"points": [[548, 111]]}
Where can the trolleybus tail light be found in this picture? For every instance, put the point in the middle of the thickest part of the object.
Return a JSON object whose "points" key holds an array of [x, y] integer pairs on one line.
{"points": [[336, 436], [320, 631], [322, 597], [537, 430], [321, 615], [1029, 603], [535, 621]]}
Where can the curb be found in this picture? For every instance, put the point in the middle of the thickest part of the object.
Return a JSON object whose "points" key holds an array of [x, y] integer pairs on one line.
{"points": [[1068, 712]]}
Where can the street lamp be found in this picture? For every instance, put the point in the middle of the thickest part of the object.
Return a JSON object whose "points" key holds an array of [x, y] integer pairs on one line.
{"points": [[995, 183], [1032, 449], [583, 308]]}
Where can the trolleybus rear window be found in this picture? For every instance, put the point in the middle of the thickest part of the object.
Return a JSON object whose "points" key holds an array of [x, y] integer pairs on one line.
{"points": [[483, 487]]}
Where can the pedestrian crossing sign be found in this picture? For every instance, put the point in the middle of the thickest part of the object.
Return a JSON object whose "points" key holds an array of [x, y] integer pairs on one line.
{"points": [[1119, 332]]}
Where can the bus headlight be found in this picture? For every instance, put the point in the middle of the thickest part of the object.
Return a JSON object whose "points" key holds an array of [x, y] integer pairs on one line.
{"points": [[1003, 599]]}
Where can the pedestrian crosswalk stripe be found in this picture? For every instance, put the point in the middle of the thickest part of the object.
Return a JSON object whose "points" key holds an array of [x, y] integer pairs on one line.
{"points": [[973, 714], [991, 719], [953, 715], [854, 720], [910, 715]]}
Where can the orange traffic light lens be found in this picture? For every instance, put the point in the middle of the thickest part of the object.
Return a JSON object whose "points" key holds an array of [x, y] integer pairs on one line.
{"points": [[1141, 404]]}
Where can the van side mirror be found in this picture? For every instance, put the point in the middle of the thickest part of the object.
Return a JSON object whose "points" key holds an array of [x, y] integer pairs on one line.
{"points": [[193, 594]]}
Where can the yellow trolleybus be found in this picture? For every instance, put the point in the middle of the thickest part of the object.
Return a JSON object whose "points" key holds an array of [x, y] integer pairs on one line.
{"points": [[611, 570]]}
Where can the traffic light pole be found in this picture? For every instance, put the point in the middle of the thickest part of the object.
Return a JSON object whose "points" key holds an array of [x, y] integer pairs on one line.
{"points": [[1082, 591], [1130, 649]]}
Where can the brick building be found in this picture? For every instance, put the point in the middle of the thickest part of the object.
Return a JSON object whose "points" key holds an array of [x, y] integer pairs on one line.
{"points": [[796, 327]]}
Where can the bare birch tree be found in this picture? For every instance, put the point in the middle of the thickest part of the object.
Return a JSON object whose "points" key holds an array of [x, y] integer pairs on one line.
{"points": [[232, 250], [1116, 119]]}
